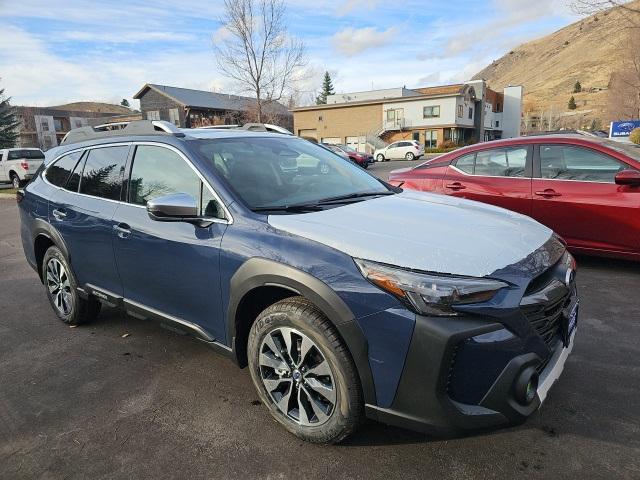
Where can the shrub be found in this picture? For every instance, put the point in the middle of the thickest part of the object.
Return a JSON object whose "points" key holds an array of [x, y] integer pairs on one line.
{"points": [[440, 149], [572, 104], [448, 144], [635, 136]]}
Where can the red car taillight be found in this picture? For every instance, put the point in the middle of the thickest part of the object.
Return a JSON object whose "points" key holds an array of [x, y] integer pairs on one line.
{"points": [[24, 164]]}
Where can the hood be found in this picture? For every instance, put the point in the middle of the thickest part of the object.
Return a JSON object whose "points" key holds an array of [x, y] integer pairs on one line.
{"points": [[423, 231]]}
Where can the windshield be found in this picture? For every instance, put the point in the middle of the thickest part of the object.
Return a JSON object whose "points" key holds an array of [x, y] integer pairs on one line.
{"points": [[30, 154], [281, 172]]}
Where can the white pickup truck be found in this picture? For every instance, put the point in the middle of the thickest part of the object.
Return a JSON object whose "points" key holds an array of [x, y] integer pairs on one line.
{"points": [[17, 165]]}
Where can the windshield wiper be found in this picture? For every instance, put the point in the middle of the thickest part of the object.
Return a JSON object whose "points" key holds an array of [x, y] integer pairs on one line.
{"points": [[302, 207], [352, 196]]}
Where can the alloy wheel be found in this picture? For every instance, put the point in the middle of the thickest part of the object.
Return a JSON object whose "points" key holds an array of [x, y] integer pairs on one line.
{"points": [[15, 181], [297, 376], [59, 286]]}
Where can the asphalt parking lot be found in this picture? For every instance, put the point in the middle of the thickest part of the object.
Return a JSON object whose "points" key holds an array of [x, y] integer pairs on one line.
{"points": [[94, 402]]}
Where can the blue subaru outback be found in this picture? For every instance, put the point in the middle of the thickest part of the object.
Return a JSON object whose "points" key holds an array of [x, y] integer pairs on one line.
{"points": [[346, 298]]}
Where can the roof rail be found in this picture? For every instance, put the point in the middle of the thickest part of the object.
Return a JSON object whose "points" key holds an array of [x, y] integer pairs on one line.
{"points": [[137, 127]]}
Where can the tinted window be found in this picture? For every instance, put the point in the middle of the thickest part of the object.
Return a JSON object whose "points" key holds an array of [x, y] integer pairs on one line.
{"points": [[102, 174], [210, 207], [501, 163], [59, 172], [575, 163], [28, 154], [74, 180], [158, 171], [466, 162]]}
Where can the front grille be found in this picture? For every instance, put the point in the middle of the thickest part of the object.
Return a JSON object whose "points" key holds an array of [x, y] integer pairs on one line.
{"points": [[546, 318]]}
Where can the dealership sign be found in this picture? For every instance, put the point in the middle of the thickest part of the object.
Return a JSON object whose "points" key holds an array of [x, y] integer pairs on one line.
{"points": [[623, 129]]}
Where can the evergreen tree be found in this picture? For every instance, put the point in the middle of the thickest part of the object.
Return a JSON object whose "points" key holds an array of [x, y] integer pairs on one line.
{"points": [[577, 88], [8, 123], [125, 103], [572, 103], [327, 89]]}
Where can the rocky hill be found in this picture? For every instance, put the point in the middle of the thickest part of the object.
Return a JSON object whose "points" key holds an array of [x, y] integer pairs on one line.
{"points": [[588, 51], [94, 107]]}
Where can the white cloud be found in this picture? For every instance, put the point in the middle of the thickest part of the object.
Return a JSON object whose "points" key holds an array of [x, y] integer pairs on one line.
{"points": [[352, 41], [348, 6], [47, 78], [124, 36]]}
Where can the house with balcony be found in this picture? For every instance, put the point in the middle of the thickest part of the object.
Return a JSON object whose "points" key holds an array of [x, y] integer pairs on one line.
{"points": [[460, 114]]}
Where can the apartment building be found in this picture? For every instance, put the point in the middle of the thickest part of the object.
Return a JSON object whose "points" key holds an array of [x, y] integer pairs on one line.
{"points": [[461, 113]]}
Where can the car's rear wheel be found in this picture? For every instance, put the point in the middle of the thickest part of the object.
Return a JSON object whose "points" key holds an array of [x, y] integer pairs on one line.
{"points": [[62, 290], [304, 373], [380, 157], [15, 180], [409, 156]]}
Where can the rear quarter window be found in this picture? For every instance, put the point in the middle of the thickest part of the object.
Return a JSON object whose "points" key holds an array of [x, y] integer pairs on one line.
{"points": [[58, 173]]}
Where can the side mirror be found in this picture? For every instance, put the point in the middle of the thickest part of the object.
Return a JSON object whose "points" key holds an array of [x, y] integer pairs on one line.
{"points": [[628, 177], [176, 207]]}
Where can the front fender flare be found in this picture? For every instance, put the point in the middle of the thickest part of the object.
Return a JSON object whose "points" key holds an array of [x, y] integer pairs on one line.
{"points": [[259, 272]]}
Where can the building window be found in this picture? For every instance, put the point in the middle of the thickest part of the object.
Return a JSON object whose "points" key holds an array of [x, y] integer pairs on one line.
{"points": [[497, 123], [45, 125], [431, 139], [470, 113], [460, 111], [391, 115], [174, 116], [431, 112], [153, 115]]}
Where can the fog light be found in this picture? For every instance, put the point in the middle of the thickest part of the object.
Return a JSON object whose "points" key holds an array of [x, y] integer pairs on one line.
{"points": [[526, 386]]}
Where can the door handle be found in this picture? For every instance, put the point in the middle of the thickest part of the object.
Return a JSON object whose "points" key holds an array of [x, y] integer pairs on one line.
{"points": [[455, 186], [548, 193], [59, 214], [122, 229]]}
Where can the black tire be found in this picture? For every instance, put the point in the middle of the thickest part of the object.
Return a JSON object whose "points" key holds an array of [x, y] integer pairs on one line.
{"points": [[409, 156], [380, 158], [304, 318], [68, 306], [15, 181]]}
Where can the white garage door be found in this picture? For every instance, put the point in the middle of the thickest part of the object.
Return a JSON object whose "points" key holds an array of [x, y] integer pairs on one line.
{"points": [[357, 143], [331, 140]]}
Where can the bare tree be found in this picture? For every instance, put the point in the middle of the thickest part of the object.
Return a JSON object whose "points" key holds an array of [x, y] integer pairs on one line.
{"points": [[257, 51], [629, 10]]}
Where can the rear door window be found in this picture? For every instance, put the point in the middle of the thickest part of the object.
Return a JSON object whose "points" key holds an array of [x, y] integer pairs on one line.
{"points": [[103, 172], [58, 173], [466, 163], [563, 162]]}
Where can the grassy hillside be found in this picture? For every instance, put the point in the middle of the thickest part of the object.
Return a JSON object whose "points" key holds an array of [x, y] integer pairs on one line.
{"points": [[587, 51]]}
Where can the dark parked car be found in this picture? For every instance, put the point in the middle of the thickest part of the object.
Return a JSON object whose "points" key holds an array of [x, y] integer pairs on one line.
{"points": [[362, 159], [584, 188], [345, 297]]}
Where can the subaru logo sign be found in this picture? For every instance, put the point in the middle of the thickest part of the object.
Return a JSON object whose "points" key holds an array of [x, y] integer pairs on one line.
{"points": [[623, 129]]}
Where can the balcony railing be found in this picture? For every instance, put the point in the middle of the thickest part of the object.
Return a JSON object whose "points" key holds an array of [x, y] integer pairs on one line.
{"points": [[396, 124]]}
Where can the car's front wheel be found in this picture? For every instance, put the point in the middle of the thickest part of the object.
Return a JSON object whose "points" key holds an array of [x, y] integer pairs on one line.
{"points": [[380, 157], [62, 290], [304, 373]]}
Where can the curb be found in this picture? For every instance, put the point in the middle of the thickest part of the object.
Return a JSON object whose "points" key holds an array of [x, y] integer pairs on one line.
{"points": [[8, 195]]}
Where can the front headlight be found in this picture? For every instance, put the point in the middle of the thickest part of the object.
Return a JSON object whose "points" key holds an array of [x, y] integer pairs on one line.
{"points": [[429, 294]]}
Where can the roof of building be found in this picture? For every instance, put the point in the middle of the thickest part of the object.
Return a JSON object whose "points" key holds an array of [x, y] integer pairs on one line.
{"points": [[211, 100], [441, 90]]}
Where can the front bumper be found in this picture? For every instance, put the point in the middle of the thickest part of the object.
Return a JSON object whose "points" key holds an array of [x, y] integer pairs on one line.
{"points": [[423, 400]]}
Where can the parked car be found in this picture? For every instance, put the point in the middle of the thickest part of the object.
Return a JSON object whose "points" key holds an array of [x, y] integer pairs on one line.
{"points": [[336, 150], [403, 150], [362, 159], [586, 189], [17, 165], [344, 296]]}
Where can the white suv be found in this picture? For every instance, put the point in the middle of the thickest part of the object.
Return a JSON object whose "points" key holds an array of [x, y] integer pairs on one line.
{"points": [[405, 149], [17, 165]]}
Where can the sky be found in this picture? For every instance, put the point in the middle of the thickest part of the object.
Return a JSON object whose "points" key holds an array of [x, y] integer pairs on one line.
{"points": [[54, 52]]}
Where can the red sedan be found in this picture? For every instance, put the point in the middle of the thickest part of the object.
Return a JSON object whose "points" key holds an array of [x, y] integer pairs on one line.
{"points": [[586, 189]]}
